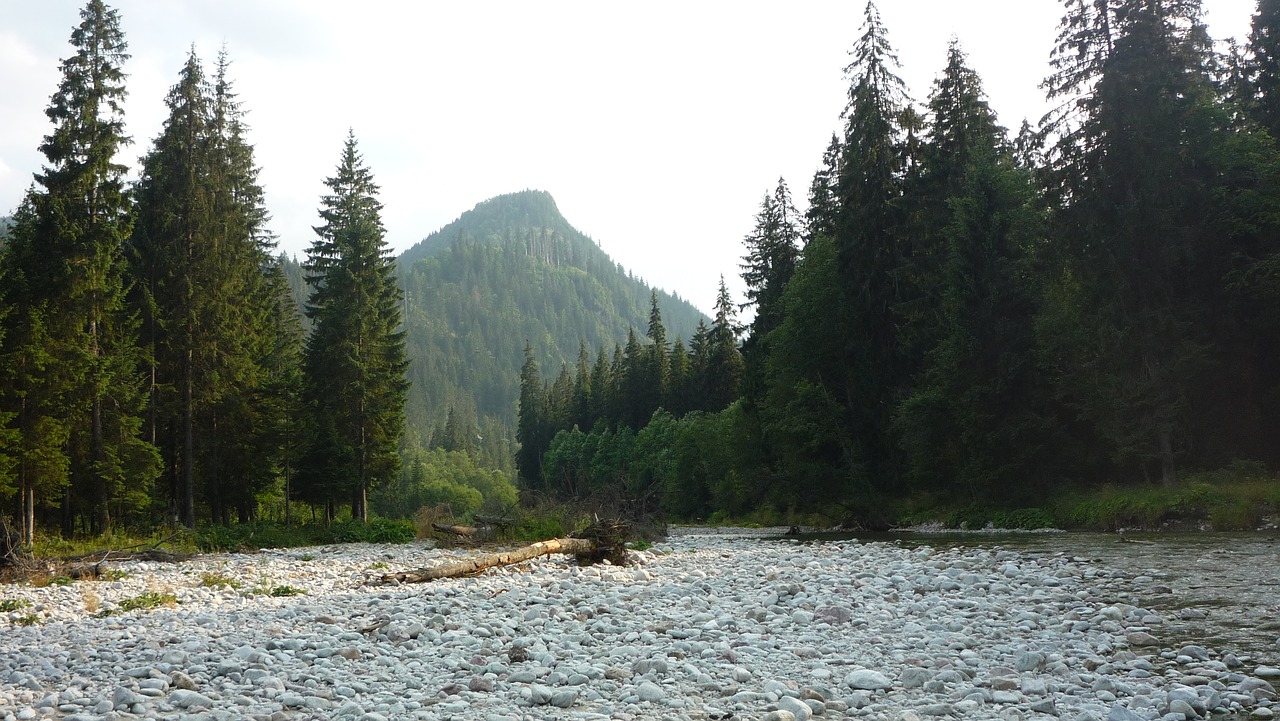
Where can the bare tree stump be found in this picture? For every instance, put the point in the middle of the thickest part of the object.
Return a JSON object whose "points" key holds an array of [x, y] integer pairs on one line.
{"points": [[475, 565]]}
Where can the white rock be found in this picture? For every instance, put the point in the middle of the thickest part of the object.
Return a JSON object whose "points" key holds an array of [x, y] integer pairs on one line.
{"points": [[867, 680]]}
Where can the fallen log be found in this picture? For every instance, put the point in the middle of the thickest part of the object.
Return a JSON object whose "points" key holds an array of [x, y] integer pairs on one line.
{"points": [[456, 569], [463, 531]]}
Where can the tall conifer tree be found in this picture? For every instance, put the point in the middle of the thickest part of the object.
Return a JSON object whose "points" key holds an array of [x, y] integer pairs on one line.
{"points": [[355, 360], [70, 259], [872, 245]]}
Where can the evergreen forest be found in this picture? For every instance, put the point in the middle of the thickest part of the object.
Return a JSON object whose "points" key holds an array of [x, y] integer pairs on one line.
{"points": [[962, 315]]}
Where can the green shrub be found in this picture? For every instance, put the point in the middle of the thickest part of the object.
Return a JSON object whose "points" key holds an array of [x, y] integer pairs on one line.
{"points": [[30, 619], [13, 604], [278, 591], [148, 601], [1027, 519], [218, 580]]}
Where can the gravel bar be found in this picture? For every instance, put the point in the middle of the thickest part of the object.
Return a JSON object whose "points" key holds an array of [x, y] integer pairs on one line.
{"points": [[708, 624]]}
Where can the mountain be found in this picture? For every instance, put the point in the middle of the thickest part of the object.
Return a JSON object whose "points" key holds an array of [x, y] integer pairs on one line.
{"points": [[509, 271]]}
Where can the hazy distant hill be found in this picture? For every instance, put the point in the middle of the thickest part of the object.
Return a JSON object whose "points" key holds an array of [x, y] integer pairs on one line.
{"points": [[512, 269]]}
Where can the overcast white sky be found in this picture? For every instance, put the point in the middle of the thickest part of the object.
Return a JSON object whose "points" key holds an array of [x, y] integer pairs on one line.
{"points": [[657, 126]]}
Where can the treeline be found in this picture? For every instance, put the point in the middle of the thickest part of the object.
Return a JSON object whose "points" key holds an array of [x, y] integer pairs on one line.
{"points": [[979, 317], [154, 368], [621, 390]]}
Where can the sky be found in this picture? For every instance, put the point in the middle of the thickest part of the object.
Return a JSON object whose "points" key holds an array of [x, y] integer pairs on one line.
{"points": [[658, 127]]}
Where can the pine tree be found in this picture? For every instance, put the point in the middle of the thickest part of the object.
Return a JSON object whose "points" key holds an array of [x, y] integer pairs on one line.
{"points": [[873, 247], [823, 214], [533, 423], [79, 338], [974, 333], [355, 364], [724, 361], [203, 252], [1128, 323], [658, 359], [1262, 68]]}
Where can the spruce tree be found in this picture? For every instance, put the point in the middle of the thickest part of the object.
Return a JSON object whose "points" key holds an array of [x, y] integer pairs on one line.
{"points": [[203, 254], [355, 364], [533, 424], [724, 360], [1262, 67], [873, 247], [1138, 307], [78, 334], [973, 333]]}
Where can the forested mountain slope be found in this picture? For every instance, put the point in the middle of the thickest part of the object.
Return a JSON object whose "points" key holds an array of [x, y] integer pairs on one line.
{"points": [[508, 271]]}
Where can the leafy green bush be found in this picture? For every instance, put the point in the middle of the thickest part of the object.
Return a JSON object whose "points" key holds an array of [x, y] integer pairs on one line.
{"points": [[13, 604], [218, 580], [1027, 519], [279, 591], [147, 601]]}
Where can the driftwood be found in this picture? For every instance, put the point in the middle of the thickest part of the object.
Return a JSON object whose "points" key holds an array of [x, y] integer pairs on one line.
{"points": [[475, 565], [11, 553], [463, 531]]}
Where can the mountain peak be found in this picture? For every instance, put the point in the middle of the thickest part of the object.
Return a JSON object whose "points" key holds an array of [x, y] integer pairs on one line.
{"points": [[495, 217]]}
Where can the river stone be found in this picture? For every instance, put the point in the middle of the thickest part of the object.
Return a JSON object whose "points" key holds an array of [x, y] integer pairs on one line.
{"points": [[1141, 638], [867, 680], [539, 694], [122, 698], [1184, 708], [1200, 653], [564, 698], [1046, 706], [1267, 672], [799, 709], [915, 677], [778, 715], [1029, 661], [1120, 713], [183, 698]]}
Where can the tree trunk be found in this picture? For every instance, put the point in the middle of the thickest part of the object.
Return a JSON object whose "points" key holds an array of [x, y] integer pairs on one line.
{"points": [[1168, 468], [29, 516], [504, 558], [188, 447]]}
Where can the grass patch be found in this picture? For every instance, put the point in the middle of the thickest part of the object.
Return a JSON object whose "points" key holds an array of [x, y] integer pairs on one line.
{"points": [[259, 534], [1235, 498], [9, 605], [279, 591], [218, 580], [30, 619], [113, 574], [148, 601], [55, 546]]}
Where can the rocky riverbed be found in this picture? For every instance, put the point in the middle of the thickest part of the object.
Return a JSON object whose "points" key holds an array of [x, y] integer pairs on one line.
{"points": [[705, 625]]}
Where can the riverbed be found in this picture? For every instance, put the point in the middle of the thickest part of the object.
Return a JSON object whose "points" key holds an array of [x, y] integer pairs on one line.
{"points": [[708, 624], [1233, 578]]}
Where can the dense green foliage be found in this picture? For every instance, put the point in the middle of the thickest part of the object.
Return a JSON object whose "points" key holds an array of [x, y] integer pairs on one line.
{"points": [[508, 271], [208, 292], [992, 322], [71, 337], [354, 363], [1074, 325]]}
